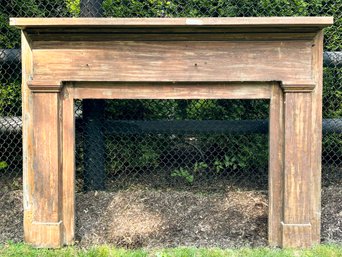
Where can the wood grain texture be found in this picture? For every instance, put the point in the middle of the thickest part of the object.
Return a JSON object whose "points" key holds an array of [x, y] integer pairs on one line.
{"points": [[28, 181], [47, 159], [276, 166], [316, 138], [171, 22], [45, 86], [68, 165], [46, 234], [98, 90], [47, 168], [298, 86], [297, 165], [296, 235], [176, 61]]}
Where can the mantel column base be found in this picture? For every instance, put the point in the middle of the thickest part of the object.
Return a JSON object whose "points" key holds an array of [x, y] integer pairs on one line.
{"points": [[46, 234], [296, 235]]}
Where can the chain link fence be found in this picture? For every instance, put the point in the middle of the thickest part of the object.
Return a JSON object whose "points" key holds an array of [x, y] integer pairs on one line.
{"points": [[191, 148], [177, 143]]}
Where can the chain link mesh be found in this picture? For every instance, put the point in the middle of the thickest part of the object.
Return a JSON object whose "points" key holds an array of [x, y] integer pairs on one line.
{"points": [[198, 146], [177, 143]]}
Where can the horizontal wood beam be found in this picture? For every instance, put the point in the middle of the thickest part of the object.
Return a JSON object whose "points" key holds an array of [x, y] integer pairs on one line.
{"points": [[13, 56], [172, 22]]}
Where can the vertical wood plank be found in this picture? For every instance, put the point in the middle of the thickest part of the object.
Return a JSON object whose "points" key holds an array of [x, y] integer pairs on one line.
{"points": [[316, 132], [47, 193], [27, 71], [68, 165], [46, 156], [297, 170], [275, 178]]}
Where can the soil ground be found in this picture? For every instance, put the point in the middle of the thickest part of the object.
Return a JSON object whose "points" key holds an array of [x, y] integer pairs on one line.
{"points": [[141, 217]]}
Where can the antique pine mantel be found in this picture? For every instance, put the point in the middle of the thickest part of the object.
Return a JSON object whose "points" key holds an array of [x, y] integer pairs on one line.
{"points": [[181, 58]]}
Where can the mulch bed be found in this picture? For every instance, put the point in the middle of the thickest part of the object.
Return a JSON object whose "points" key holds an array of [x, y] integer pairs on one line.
{"points": [[140, 217]]}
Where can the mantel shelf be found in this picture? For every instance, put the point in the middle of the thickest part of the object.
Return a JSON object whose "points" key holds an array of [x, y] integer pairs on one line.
{"points": [[266, 22]]}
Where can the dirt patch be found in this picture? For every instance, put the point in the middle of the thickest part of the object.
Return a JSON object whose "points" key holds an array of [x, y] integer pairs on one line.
{"points": [[11, 216], [332, 214], [150, 218], [167, 218]]}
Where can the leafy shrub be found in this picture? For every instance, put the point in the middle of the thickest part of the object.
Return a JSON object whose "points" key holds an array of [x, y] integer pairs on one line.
{"points": [[3, 165], [183, 173], [10, 99], [127, 153], [73, 7]]}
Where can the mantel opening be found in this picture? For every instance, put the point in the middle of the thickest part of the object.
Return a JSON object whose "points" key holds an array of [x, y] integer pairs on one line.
{"points": [[171, 172]]}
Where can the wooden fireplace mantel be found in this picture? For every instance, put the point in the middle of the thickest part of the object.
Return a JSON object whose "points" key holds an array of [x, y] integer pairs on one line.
{"points": [[275, 58]]}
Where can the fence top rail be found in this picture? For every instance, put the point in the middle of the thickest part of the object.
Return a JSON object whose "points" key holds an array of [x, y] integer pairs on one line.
{"points": [[249, 22]]}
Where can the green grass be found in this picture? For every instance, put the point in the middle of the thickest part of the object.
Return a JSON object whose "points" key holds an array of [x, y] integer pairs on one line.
{"points": [[22, 250]]}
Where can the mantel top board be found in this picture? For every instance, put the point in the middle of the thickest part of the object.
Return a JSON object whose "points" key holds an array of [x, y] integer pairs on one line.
{"points": [[234, 22]]}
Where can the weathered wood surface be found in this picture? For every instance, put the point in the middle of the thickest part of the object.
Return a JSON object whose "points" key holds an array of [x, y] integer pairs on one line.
{"points": [[68, 151], [276, 166], [28, 172], [13, 56], [175, 61], [297, 170], [179, 90], [45, 86], [46, 156], [316, 139], [287, 22], [211, 58], [47, 160], [296, 235]]}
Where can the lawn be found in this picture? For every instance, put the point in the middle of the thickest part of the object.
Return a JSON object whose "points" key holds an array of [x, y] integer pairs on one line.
{"points": [[15, 250]]}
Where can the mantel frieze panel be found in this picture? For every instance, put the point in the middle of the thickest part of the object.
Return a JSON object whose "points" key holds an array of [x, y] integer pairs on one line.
{"points": [[175, 61]]}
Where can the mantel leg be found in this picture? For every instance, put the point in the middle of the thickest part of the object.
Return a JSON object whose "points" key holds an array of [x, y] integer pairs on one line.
{"points": [[275, 178], [296, 225], [68, 165], [45, 219]]}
